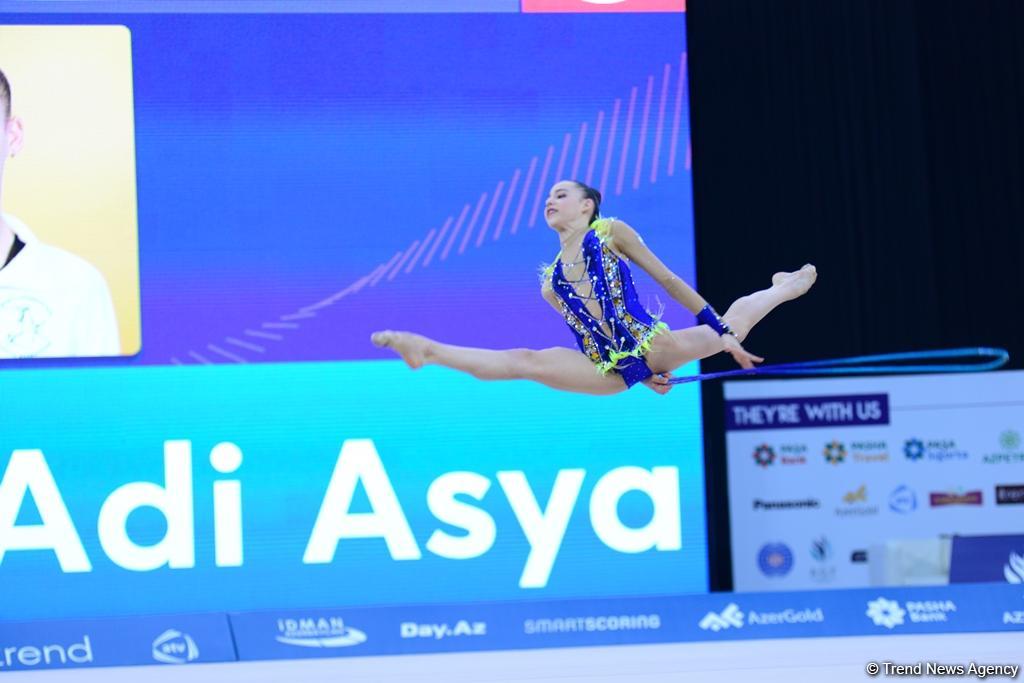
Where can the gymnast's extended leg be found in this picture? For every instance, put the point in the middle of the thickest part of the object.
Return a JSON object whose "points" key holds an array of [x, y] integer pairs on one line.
{"points": [[557, 367], [670, 351]]}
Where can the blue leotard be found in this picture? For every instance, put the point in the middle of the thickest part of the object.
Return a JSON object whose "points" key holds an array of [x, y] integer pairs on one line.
{"points": [[611, 285]]}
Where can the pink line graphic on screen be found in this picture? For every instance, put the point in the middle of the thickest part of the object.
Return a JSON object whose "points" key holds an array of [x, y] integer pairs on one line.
{"points": [[408, 259]]}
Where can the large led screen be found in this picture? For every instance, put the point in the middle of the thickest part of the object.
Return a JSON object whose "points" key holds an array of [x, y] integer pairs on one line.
{"points": [[283, 185]]}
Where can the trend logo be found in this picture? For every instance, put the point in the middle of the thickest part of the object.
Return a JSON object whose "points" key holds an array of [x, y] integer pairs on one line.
{"points": [[764, 455], [322, 632], [835, 452], [175, 647], [1014, 569], [913, 449], [730, 617], [887, 613]]}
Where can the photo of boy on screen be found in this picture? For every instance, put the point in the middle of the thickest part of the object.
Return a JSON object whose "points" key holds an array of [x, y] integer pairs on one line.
{"points": [[53, 304]]}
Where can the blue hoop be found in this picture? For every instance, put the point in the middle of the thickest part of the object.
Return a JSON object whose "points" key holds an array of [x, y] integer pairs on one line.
{"points": [[856, 365]]}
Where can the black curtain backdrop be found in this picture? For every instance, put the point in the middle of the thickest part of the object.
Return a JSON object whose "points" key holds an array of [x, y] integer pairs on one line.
{"points": [[880, 140]]}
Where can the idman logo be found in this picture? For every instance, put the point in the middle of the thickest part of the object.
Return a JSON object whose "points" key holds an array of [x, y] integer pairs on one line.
{"points": [[764, 455], [775, 559], [913, 449], [730, 617], [887, 613], [835, 452], [903, 500], [175, 647], [1014, 569], [320, 632]]}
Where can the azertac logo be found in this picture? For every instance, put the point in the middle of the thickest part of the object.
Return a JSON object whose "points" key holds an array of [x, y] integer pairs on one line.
{"points": [[887, 613], [731, 616], [835, 452], [764, 455], [328, 632], [903, 500], [1010, 453], [775, 559], [1013, 570], [175, 647]]}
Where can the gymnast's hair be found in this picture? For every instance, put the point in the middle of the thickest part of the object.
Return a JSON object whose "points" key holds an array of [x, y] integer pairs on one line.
{"points": [[593, 195], [5, 95]]}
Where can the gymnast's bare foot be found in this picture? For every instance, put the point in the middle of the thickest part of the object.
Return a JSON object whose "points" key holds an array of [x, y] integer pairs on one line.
{"points": [[798, 282], [411, 347]]}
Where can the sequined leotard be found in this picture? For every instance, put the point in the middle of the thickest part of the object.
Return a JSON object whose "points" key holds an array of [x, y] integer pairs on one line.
{"points": [[611, 286]]}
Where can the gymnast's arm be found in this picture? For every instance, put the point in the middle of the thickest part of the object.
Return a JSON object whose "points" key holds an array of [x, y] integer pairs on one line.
{"points": [[627, 242]]}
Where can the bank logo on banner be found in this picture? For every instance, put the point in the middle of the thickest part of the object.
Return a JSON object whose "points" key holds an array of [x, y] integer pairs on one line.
{"points": [[329, 632], [731, 616], [903, 500], [1014, 569], [174, 647], [788, 454], [1010, 450], [835, 452], [764, 455], [775, 559], [889, 613]]}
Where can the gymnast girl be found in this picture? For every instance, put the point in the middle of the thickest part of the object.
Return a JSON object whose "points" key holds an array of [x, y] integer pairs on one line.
{"points": [[622, 343]]}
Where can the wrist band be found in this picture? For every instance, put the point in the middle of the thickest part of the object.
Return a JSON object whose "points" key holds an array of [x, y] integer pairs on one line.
{"points": [[707, 316]]}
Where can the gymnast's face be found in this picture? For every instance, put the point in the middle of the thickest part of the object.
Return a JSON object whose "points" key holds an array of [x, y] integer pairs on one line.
{"points": [[566, 205]]}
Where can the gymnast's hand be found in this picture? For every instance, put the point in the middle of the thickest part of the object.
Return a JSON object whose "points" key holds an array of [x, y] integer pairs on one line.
{"points": [[659, 383], [739, 354]]}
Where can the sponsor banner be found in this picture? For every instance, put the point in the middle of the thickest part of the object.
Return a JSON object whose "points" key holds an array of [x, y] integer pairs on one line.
{"points": [[948, 456], [173, 639], [343, 632], [803, 412], [390, 630], [987, 558], [604, 5]]}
